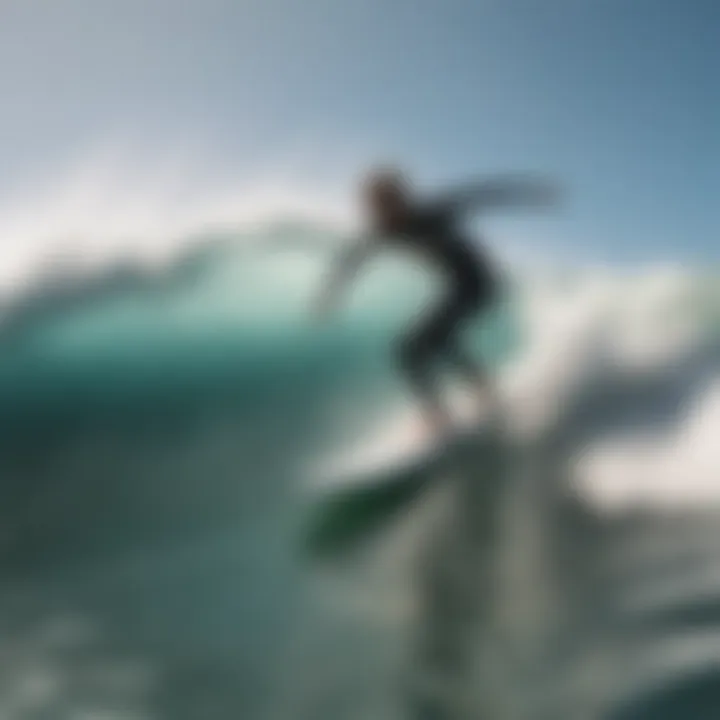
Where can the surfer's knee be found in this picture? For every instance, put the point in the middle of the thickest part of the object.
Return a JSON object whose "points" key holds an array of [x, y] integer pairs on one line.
{"points": [[411, 355]]}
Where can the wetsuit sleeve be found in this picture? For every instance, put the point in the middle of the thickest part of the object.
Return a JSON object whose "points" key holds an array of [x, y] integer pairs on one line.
{"points": [[498, 193], [344, 268]]}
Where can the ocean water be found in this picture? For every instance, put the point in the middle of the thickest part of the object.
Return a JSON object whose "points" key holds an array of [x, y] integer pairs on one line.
{"points": [[158, 423]]}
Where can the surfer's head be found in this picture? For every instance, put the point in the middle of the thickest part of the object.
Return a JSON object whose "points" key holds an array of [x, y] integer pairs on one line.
{"points": [[386, 198]]}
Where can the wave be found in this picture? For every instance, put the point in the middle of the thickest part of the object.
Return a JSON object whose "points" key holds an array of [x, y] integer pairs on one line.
{"points": [[154, 419]]}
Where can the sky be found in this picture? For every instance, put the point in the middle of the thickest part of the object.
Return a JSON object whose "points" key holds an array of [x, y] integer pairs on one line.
{"points": [[617, 100]]}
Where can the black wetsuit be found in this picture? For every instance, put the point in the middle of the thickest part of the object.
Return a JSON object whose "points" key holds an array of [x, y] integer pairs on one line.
{"points": [[471, 285]]}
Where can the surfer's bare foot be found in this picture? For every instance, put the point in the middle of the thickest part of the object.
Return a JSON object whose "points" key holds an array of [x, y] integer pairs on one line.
{"points": [[490, 408], [437, 422], [483, 404]]}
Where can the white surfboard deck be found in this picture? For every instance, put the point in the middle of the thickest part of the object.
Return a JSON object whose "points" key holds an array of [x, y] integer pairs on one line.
{"points": [[398, 447]]}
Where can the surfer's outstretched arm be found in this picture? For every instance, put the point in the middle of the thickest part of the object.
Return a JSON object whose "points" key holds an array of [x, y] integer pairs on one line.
{"points": [[499, 192], [345, 267]]}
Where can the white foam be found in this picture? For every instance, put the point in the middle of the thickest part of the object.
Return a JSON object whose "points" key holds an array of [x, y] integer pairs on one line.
{"points": [[116, 203], [609, 332]]}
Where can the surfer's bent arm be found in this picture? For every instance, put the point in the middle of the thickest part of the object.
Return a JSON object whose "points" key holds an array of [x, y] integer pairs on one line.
{"points": [[503, 191], [344, 269]]}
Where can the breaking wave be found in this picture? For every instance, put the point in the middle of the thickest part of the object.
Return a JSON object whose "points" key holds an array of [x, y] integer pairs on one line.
{"points": [[154, 418]]}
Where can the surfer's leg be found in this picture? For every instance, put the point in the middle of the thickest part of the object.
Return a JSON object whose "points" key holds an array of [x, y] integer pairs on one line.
{"points": [[465, 364], [476, 375], [446, 336], [417, 356], [415, 364], [469, 367]]}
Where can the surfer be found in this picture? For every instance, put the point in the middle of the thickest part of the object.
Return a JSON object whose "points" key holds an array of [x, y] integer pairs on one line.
{"points": [[431, 227]]}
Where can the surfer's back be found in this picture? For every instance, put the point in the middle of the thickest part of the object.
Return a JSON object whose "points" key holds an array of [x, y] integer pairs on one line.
{"points": [[433, 230]]}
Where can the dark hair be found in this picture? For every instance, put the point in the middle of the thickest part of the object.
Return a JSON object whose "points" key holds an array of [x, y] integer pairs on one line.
{"points": [[386, 181]]}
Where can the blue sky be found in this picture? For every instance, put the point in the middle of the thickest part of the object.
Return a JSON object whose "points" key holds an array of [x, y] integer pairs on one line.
{"points": [[618, 99]]}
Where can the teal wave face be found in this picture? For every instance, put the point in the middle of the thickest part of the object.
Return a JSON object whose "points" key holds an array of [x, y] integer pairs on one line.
{"points": [[236, 302]]}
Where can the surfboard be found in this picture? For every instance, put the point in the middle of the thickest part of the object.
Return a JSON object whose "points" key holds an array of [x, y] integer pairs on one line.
{"points": [[356, 492]]}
